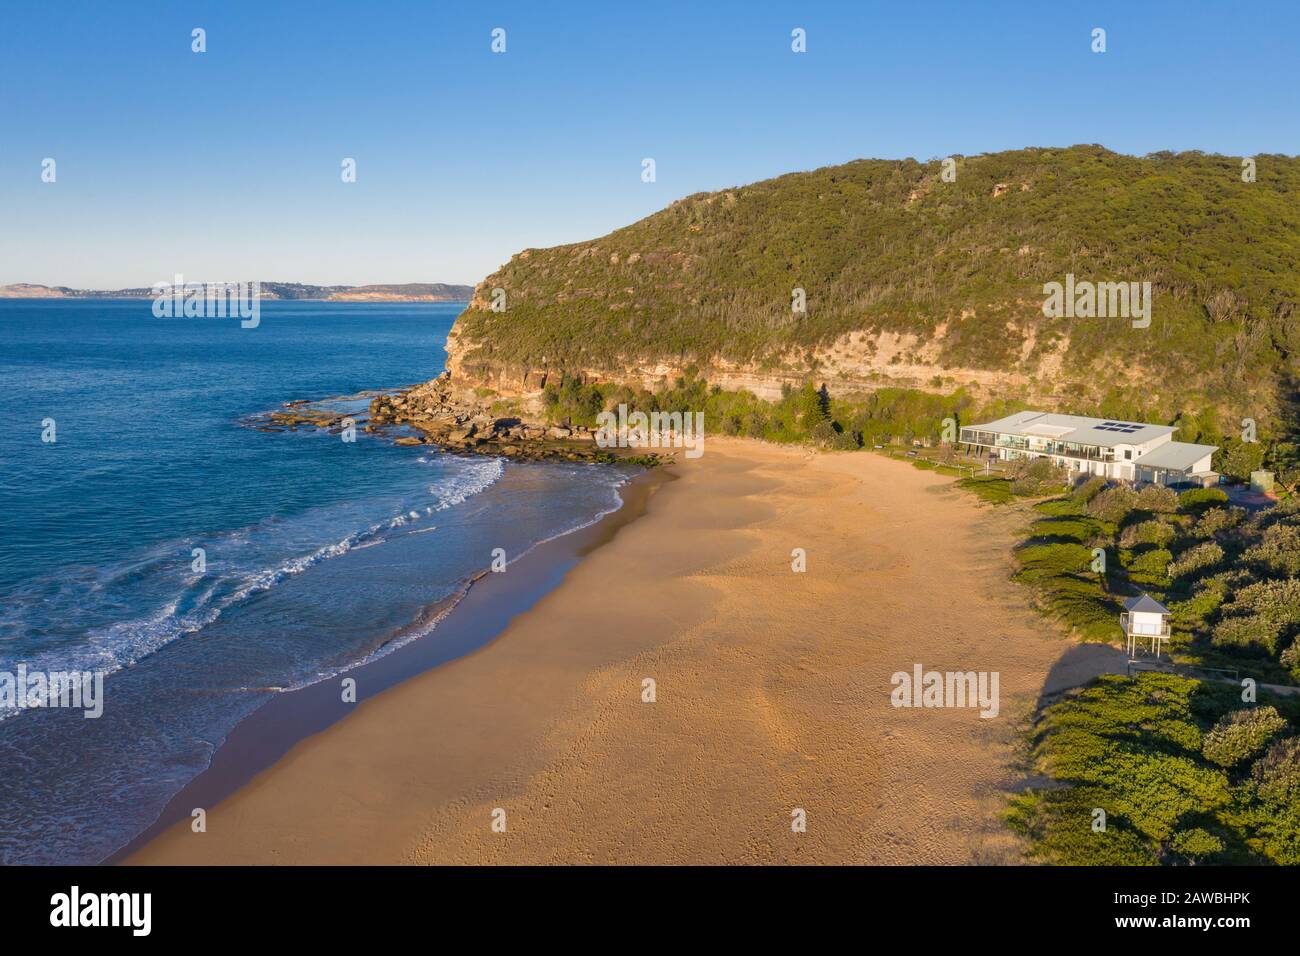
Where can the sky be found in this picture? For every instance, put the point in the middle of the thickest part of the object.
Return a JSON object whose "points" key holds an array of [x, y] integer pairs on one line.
{"points": [[226, 165]]}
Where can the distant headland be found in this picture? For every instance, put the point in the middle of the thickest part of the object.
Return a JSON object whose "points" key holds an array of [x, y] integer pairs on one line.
{"points": [[405, 292]]}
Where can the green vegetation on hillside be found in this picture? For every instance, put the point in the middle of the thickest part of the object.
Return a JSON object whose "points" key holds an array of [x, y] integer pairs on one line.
{"points": [[887, 246], [807, 414]]}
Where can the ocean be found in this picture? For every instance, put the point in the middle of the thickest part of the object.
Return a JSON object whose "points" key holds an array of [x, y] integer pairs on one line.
{"points": [[204, 565]]}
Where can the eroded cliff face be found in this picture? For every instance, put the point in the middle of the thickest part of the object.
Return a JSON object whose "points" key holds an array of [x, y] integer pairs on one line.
{"points": [[856, 362]]}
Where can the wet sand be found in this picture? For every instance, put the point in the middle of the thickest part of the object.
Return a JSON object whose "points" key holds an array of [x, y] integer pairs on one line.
{"points": [[772, 695]]}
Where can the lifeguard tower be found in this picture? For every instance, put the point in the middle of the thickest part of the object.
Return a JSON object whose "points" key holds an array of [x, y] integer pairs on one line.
{"points": [[1147, 619]]}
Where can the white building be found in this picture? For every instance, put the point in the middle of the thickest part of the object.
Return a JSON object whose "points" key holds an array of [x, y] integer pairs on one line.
{"points": [[1126, 451]]}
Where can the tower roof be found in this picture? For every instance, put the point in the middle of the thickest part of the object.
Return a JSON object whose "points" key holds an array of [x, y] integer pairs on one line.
{"points": [[1145, 604]]}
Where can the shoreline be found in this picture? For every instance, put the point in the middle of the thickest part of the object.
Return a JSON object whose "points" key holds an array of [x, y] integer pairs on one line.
{"points": [[758, 710], [485, 608]]}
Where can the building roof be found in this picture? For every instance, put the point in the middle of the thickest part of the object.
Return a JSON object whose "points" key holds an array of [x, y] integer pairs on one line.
{"points": [[1145, 604], [1103, 432], [1176, 455]]}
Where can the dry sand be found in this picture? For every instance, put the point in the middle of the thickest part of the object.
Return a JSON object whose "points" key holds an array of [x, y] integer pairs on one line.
{"points": [[773, 693]]}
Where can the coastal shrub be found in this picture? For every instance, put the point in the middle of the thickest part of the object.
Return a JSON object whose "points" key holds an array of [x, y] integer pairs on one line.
{"points": [[1278, 826], [1278, 553], [1192, 615], [1155, 532], [1277, 787], [1215, 521], [1241, 734], [823, 433], [1259, 615], [1254, 633], [1197, 500], [1113, 504], [1058, 826], [1196, 844], [847, 440], [1277, 772], [1149, 568], [1290, 659], [1195, 561], [1086, 490], [1157, 499], [1037, 477]]}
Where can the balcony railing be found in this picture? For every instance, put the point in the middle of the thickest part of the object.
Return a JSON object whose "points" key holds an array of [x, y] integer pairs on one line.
{"points": [[1162, 630], [1043, 446]]}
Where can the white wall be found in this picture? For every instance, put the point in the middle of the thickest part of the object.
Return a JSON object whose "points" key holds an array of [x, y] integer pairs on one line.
{"points": [[1144, 622]]}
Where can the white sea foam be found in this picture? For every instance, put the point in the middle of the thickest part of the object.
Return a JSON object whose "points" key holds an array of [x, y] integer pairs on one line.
{"points": [[477, 478], [411, 634], [119, 645]]}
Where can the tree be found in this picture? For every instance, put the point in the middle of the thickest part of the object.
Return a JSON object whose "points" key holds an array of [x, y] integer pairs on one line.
{"points": [[814, 406], [1237, 459]]}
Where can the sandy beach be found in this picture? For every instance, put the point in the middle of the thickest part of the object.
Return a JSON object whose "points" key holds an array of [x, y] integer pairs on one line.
{"points": [[772, 694]]}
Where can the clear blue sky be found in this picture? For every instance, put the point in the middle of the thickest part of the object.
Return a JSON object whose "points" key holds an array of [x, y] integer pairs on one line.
{"points": [[226, 165]]}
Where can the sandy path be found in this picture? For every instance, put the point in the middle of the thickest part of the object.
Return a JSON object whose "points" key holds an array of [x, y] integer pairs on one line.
{"points": [[772, 694]]}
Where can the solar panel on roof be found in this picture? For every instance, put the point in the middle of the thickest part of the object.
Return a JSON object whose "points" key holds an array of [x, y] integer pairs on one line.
{"points": [[1127, 428]]}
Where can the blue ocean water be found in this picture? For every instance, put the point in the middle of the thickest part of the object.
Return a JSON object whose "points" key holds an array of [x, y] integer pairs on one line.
{"points": [[320, 553]]}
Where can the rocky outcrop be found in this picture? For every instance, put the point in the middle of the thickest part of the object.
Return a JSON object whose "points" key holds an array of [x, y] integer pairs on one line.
{"points": [[457, 418]]}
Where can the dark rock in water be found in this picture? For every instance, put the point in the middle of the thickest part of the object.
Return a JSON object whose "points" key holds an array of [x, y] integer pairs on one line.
{"points": [[462, 419], [316, 418]]}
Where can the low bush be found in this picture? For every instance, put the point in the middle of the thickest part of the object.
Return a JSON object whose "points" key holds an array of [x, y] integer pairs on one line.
{"points": [[1241, 734], [1196, 561], [1114, 504], [1157, 499], [1196, 844], [1196, 500], [1037, 477], [1156, 532]]}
